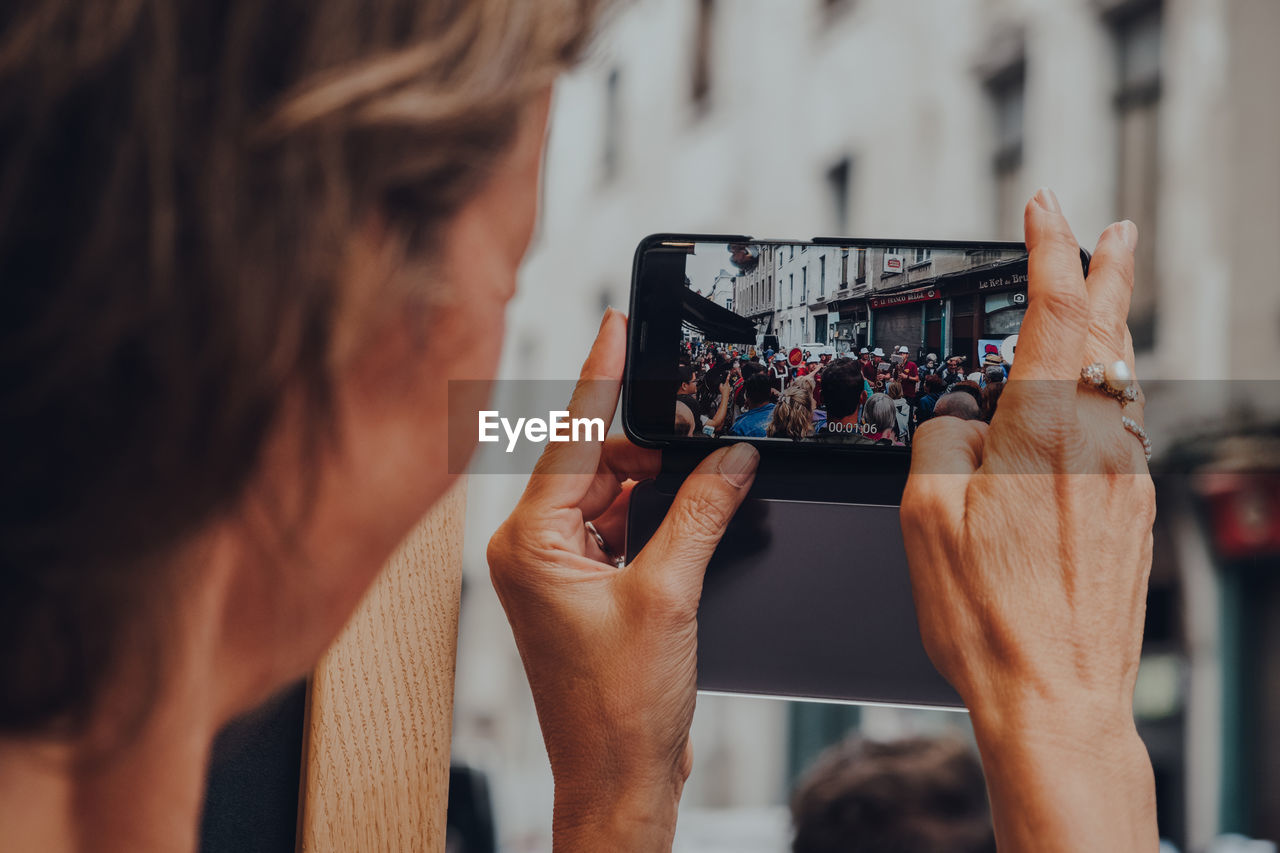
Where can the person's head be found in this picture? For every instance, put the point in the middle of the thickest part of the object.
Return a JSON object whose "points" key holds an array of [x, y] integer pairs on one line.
{"points": [[919, 795], [685, 422], [970, 387], [792, 416], [990, 399], [954, 363], [934, 384], [688, 380], [750, 368], [894, 390], [880, 414], [243, 254], [958, 404], [757, 390], [842, 386], [864, 354], [931, 359], [994, 375]]}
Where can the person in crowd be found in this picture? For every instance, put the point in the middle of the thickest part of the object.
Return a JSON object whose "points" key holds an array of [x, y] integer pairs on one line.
{"points": [[757, 395], [843, 393], [934, 387], [901, 406], [915, 795], [970, 387], [953, 371], [228, 406], [793, 413], [991, 358], [811, 384], [959, 404], [880, 420], [991, 398], [685, 420], [687, 393], [908, 374], [976, 377], [993, 375], [779, 371], [868, 365], [884, 374], [930, 365]]}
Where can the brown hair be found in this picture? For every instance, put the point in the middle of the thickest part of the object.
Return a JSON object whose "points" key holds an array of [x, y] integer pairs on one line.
{"points": [[920, 795], [178, 184]]}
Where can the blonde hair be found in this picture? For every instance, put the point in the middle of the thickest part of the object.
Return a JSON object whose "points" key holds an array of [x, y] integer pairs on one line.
{"points": [[793, 413]]}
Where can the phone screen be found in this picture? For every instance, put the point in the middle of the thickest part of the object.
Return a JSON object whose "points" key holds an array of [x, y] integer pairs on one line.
{"points": [[854, 344]]}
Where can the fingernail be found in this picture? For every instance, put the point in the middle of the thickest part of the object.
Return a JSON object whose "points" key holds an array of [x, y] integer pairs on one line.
{"points": [[1047, 200], [608, 311], [739, 464], [1128, 234]]}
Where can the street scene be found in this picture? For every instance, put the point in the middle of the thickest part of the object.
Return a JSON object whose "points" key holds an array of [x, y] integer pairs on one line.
{"points": [[850, 344]]}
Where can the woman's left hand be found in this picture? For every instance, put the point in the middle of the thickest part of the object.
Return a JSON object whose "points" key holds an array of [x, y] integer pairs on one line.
{"points": [[611, 652]]}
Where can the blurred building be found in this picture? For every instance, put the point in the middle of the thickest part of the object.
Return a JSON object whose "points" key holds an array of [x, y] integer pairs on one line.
{"points": [[937, 119]]}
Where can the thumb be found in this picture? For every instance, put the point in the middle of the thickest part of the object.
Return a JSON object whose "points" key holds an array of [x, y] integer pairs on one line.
{"points": [[677, 555]]}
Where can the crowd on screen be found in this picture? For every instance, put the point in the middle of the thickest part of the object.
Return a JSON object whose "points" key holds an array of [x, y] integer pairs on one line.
{"points": [[873, 398]]}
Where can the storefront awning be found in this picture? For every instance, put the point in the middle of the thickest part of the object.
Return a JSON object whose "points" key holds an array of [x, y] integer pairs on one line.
{"points": [[715, 322]]}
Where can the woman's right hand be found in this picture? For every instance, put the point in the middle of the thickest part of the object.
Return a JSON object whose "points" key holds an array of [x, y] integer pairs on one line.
{"points": [[1029, 553]]}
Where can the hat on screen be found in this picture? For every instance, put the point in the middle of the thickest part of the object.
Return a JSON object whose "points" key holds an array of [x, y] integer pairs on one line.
{"points": [[864, 351], [902, 349], [933, 356], [878, 352], [992, 357], [990, 348]]}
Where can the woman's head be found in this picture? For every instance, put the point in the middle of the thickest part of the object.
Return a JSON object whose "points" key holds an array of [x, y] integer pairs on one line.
{"points": [[239, 246], [792, 416], [880, 414]]}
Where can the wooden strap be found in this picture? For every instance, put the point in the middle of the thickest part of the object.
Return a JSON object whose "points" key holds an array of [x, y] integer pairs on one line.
{"points": [[380, 719]]}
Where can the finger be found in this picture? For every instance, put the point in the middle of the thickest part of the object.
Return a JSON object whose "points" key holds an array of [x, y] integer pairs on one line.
{"points": [[1110, 286], [1051, 340], [612, 522], [944, 454], [620, 461], [677, 555], [566, 469]]}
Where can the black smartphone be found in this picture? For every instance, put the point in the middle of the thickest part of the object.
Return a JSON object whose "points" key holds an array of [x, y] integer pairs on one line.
{"points": [[827, 355], [722, 327]]}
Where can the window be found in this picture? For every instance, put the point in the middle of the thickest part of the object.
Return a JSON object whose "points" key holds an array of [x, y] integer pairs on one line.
{"points": [[860, 274], [610, 155], [923, 256], [822, 276], [838, 188], [804, 282], [791, 288], [701, 92], [1007, 91], [792, 254], [1137, 29]]}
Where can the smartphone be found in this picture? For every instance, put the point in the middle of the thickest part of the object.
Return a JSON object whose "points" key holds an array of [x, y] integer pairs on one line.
{"points": [[862, 324], [827, 355]]}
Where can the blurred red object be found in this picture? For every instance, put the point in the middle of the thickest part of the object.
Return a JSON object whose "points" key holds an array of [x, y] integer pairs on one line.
{"points": [[1244, 512]]}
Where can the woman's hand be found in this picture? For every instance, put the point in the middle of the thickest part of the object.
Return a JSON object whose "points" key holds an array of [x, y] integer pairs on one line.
{"points": [[1029, 559], [611, 653]]}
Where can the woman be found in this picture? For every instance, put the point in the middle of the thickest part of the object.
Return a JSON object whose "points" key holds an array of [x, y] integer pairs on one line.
{"points": [[901, 407], [243, 252], [880, 420], [793, 413]]}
